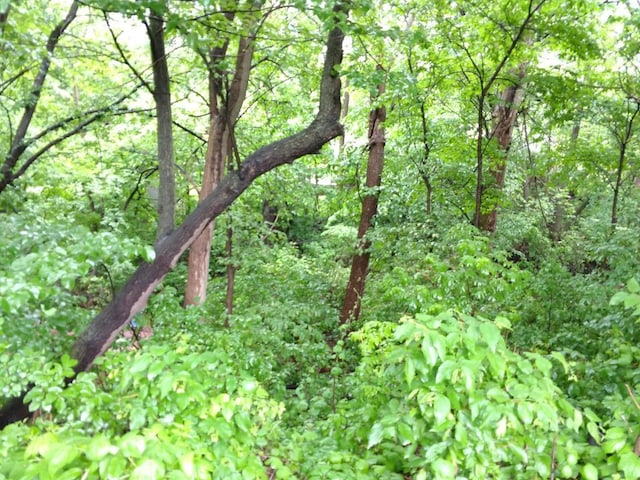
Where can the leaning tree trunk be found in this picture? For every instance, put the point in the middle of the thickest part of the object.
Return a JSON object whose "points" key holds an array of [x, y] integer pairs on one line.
{"points": [[219, 147], [162, 98], [360, 262], [134, 295], [504, 115]]}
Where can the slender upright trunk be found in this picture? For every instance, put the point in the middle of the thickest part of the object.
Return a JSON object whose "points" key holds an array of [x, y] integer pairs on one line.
{"points": [[623, 142], [485, 88], [360, 262], [225, 109], [424, 173], [162, 98], [231, 274], [504, 119]]}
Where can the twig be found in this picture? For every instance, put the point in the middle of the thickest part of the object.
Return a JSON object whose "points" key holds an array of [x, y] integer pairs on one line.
{"points": [[635, 402], [553, 457]]}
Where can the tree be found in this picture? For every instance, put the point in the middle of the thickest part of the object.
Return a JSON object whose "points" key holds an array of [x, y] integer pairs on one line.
{"points": [[10, 169], [134, 295], [162, 98], [226, 100], [375, 162]]}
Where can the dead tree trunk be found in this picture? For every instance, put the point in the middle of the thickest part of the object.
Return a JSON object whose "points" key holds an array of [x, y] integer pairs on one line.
{"points": [[360, 262], [134, 295]]}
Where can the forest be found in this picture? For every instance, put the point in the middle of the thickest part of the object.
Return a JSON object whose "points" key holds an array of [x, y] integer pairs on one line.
{"points": [[337, 239]]}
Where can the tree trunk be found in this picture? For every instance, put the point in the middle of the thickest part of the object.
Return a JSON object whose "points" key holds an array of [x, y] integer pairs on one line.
{"points": [[504, 119], [19, 143], [482, 98], [231, 274], [221, 136], [360, 262], [162, 98], [623, 141], [134, 295]]}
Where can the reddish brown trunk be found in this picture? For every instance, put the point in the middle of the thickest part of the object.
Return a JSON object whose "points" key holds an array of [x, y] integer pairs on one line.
{"points": [[219, 146], [360, 262], [504, 117]]}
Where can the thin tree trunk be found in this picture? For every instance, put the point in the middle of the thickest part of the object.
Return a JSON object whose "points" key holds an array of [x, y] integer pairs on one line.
{"points": [[162, 98], [505, 114], [360, 262], [19, 143], [231, 274], [134, 295], [623, 141], [533, 8], [221, 135], [426, 178]]}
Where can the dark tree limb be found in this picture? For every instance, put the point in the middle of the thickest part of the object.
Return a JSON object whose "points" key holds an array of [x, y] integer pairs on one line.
{"points": [[134, 295], [18, 145]]}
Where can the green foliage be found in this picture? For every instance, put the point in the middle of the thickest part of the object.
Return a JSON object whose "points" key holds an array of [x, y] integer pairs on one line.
{"points": [[284, 391], [165, 412]]}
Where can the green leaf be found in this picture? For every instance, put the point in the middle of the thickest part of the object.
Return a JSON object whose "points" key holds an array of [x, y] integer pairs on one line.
{"points": [[148, 254], [409, 370], [630, 464], [589, 472], [132, 445], [443, 469], [375, 435], [99, 447], [441, 408], [149, 469], [633, 286], [61, 456], [490, 334], [405, 432], [594, 431]]}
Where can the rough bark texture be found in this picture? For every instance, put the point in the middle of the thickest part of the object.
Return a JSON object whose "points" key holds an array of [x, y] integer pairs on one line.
{"points": [[504, 119], [134, 295], [162, 98], [19, 143], [360, 261], [224, 115]]}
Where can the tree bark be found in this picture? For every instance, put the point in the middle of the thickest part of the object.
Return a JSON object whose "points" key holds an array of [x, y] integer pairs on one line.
{"points": [[134, 295], [485, 88], [162, 98], [623, 142], [231, 274], [19, 143], [221, 136], [360, 261], [504, 118]]}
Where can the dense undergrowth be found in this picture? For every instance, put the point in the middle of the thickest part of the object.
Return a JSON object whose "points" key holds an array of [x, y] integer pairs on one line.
{"points": [[476, 357]]}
